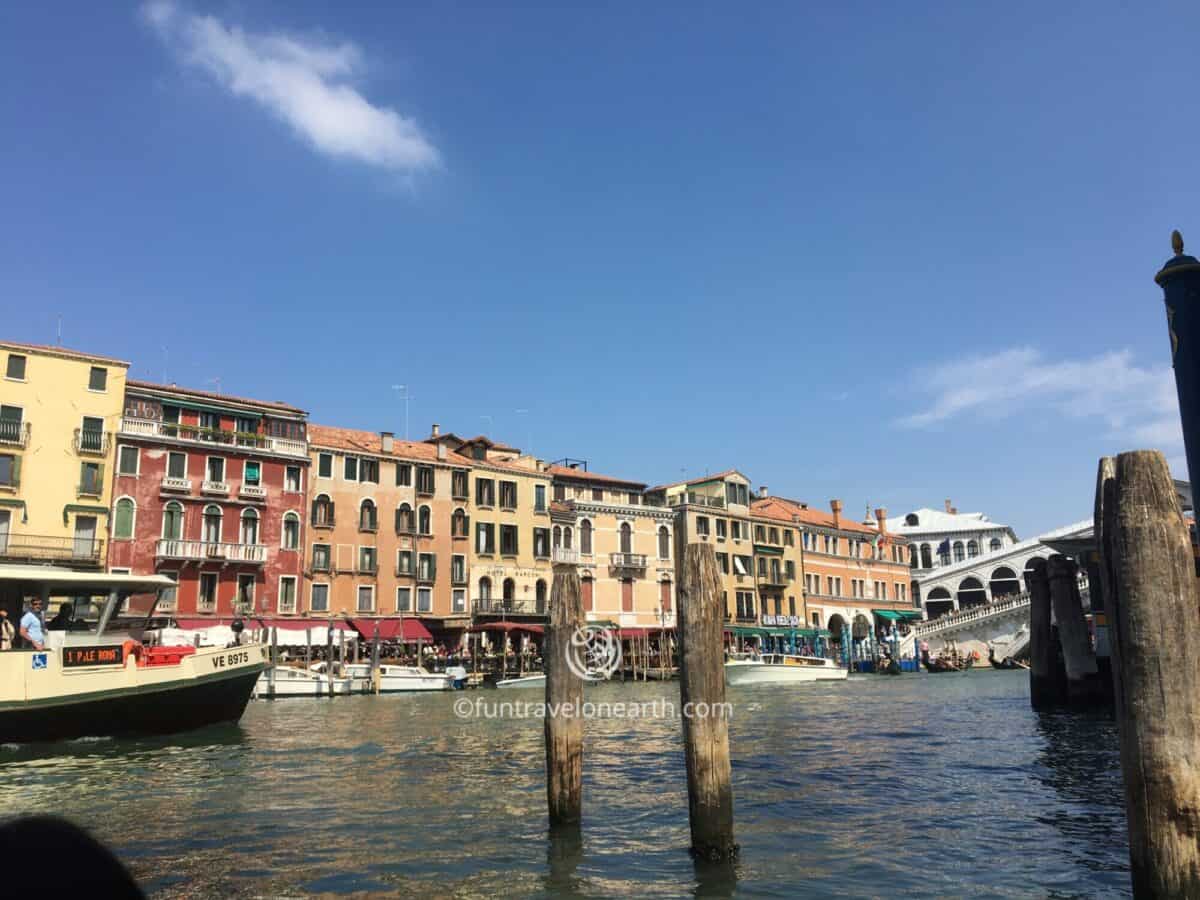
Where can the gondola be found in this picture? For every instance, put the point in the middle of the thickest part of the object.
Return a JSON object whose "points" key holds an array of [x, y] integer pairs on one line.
{"points": [[943, 664], [1006, 664]]}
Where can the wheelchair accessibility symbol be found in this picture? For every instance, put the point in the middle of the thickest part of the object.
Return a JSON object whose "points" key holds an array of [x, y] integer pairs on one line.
{"points": [[39, 660]]}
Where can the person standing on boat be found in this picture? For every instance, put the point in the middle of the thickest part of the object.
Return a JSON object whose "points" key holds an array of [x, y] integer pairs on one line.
{"points": [[31, 625], [7, 632]]}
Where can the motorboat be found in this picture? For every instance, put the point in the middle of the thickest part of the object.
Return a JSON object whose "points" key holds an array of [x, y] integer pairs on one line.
{"points": [[523, 681], [780, 668], [285, 681], [396, 679], [97, 678]]}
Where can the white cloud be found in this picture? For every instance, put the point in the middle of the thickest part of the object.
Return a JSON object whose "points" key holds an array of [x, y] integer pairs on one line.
{"points": [[304, 82], [1137, 404]]}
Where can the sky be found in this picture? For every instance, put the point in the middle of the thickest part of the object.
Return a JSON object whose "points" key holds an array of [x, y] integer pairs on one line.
{"points": [[888, 253]]}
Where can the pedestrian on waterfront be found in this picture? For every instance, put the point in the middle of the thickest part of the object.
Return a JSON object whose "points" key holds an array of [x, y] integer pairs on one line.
{"points": [[7, 632], [32, 629]]}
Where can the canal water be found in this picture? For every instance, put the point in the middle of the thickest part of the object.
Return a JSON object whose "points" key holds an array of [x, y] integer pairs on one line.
{"points": [[877, 787]]}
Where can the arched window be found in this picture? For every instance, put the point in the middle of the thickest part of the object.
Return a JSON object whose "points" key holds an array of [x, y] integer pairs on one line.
{"points": [[626, 538], [424, 520], [291, 531], [585, 538], [567, 537], [249, 526], [926, 557], [367, 518], [172, 529], [540, 597], [212, 524], [972, 549], [914, 556], [944, 553], [958, 551], [322, 510], [404, 519], [664, 542], [994, 545], [123, 519], [458, 523], [485, 588], [510, 589], [557, 539]]}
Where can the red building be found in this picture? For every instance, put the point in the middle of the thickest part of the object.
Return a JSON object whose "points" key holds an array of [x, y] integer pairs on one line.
{"points": [[210, 489]]}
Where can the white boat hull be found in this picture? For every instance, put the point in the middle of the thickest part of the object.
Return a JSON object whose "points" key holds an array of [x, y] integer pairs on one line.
{"points": [[526, 681], [745, 671], [400, 679], [298, 683]]}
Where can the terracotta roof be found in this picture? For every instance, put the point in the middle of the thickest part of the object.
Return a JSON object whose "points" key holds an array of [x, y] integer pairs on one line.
{"points": [[133, 383], [783, 510], [716, 477], [370, 442], [583, 475], [63, 351]]}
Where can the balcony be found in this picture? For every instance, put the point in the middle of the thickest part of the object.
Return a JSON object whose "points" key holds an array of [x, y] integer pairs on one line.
{"points": [[215, 487], [42, 548], [694, 499], [92, 443], [252, 492], [628, 560], [495, 607], [565, 556], [774, 579], [201, 551], [171, 483], [14, 434], [192, 434]]}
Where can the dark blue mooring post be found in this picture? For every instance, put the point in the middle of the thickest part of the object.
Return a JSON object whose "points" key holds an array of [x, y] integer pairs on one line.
{"points": [[1180, 281]]}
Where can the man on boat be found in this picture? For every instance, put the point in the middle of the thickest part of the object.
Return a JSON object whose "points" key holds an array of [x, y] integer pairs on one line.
{"points": [[31, 625]]}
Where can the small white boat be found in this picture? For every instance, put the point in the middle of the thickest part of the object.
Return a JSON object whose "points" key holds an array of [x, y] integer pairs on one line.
{"points": [[777, 668], [289, 682], [394, 679], [524, 681]]}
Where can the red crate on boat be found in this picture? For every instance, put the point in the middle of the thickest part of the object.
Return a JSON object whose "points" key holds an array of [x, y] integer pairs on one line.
{"points": [[166, 656]]}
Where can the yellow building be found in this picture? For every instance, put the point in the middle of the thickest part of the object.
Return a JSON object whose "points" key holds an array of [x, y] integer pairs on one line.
{"points": [[58, 411]]}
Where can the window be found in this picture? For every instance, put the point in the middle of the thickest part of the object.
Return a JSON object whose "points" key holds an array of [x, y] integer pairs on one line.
{"points": [[459, 524], [366, 598], [742, 565], [16, 367], [319, 598], [539, 593], [424, 599], [722, 529], [626, 538], [368, 470], [458, 485], [664, 543], [760, 533], [366, 560], [252, 474], [212, 524], [539, 498], [762, 567], [404, 519], [560, 492], [91, 434], [177, 465], [90, 478], [98, 379], [458, 569], [424, 520], [508, 495], [350, 468], [723, 562], [245, 593], [322, 512], [598, 495], [404, 562], [994, 545], [287, 593], [123, 520], [324, 465], [216, 470], [772, 535], [485, 538], [425, 480], [485, 589], [972, 549], [508, 540], [426, 567], [791, 606], [403, 475], [737, 493], [291, 531], [787, 537], [367, 518], [567, 536], [789, 569], [249, 526], [320, 557], [958, 551], [210, 422], [585, 537], [735, 530], [206, 601], [127, 460], [484, 492], [702, 526], [403, 599], [458, 600], [291, 479], [541, 542]]}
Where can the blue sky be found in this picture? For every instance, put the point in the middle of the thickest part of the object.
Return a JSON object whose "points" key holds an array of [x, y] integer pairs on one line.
{"points": [[855, 251]]}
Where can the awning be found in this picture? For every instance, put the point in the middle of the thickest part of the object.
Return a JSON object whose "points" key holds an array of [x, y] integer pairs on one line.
{"points": [[506, 626], [897, 615], [762, 549], [390, 629], [626, 633], [254, 623]]}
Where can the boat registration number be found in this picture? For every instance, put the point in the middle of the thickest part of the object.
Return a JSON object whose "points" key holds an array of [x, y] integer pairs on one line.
{"points": [[236, 658]]}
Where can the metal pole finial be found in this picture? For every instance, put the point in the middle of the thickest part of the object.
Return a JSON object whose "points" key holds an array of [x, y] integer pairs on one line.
{"points": [[1177, 242]]}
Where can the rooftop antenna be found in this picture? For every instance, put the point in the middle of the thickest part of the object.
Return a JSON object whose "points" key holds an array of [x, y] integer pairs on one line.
{"points": [[216, 381], [528, 431], [58, 338], [402, 393]]}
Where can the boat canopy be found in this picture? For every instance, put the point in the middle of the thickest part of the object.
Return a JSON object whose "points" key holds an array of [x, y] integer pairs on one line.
{"points": [[897, 615], [67, 582], [756, 631]]}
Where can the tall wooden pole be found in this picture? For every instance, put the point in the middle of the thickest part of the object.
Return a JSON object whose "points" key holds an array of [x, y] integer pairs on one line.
{"points": [[1083, 677], [702, 691], [564, 700], [1155, 609], [329, 658], [1043, 681]]}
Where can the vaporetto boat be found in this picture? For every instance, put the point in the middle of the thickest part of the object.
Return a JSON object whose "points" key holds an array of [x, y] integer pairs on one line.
{"points": [[777, 668], [98, 678]]}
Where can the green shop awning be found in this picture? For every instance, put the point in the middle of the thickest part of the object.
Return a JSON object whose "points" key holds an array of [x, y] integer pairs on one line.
{"points": [[83, 508], [770, 551], [897, 615]]}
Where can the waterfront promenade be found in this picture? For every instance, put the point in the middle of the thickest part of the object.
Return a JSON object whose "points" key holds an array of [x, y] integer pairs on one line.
{"points": [[899, 787]]}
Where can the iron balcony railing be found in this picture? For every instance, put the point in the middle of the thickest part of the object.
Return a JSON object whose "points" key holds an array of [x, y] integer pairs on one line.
{"points": [[508, 607], [92, 442], [46, 548], [14, 434], [773, 578], [197, 435], [628, 560], [209, 550]]}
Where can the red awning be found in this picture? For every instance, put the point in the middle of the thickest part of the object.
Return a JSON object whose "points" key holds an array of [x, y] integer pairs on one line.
{"points": [[389, 629], [506, 626]]}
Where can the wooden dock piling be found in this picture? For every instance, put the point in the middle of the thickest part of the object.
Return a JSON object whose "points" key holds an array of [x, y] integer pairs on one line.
{"points": [[702, 691], [564, 701], [1154, 608], [1043, 661], [329, 657], [1083, 676]]}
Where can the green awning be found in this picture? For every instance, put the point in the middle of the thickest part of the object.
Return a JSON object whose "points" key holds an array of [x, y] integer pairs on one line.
{"points": [[19, 504], [897, 615], [771, 551], [83, 508]]}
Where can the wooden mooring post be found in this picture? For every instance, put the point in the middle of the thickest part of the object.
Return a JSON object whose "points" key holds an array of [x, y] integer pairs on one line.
{"points": [[702, 694], [1153, 603], [1044, 688], [329, 657], [564, 700], [1083, 676]]}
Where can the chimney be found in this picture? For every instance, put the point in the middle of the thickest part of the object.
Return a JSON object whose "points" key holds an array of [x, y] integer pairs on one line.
{"points": [[385, 439], [441, 448], [949, 508], [881, 519], [954, 510], [436, 429], [836, 506], [762, 492]]}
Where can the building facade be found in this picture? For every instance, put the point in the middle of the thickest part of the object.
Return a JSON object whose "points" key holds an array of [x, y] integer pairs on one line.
{"points": [[390, 529], [210, 489], [59, 410]]}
